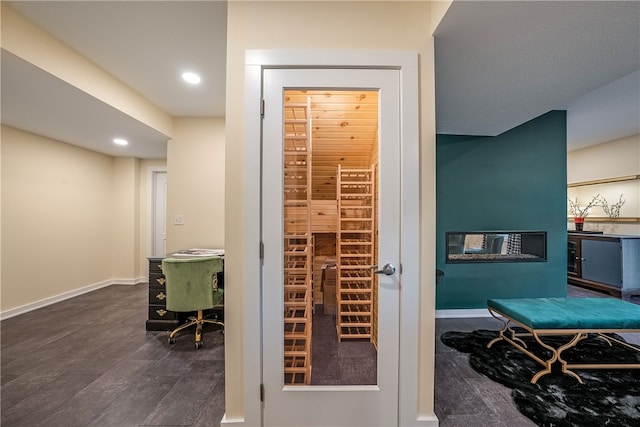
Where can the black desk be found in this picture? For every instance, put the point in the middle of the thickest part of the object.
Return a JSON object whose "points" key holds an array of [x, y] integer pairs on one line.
{"points": [[161, 319]]}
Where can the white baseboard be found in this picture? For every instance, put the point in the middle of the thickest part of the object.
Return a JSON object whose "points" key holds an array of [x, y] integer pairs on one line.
{"points": [[424, 421], [12, 312], [132, 282], [462, 313], [428, 421], [231, 421]]}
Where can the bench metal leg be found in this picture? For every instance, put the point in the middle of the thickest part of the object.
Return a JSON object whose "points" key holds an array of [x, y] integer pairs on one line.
{"points": [[507, 327], [574, 336], [556, 356], [512, 338]]}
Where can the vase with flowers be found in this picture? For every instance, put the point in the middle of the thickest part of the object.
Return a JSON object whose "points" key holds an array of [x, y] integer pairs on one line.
{"points": [[581, 212], [612, 210]]}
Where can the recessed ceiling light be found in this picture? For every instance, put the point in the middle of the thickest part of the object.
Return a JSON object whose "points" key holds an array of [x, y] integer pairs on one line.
{"points": [[120, 141], [190, 77]]}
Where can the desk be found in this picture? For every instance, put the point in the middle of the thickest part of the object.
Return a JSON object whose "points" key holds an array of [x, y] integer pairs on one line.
{"points": [[159, 318]]}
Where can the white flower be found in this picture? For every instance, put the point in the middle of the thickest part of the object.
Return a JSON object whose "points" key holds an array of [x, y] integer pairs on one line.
{"points": [[582, 212]]}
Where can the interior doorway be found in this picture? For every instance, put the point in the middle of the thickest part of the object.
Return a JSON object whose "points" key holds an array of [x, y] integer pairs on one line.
{"points": [[259, 290], [159, 213], [330, 224]]}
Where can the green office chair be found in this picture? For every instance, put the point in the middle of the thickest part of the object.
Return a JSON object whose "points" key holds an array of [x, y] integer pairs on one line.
{"points": [[191, 285]]}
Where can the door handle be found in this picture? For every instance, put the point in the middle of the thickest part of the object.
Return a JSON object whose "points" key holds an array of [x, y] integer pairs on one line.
{"points": [[388, 269]]}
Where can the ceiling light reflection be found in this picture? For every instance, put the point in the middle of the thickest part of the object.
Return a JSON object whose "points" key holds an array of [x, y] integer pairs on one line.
{"points": [[190, 77]]}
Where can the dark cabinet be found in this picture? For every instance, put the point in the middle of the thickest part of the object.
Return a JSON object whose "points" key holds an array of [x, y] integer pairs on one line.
{"points": [[160, 319], [604, 262], [574, 266]]}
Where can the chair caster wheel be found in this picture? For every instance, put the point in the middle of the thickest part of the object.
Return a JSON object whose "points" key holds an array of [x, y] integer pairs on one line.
{"points": [[199, 345], [172, 340]]}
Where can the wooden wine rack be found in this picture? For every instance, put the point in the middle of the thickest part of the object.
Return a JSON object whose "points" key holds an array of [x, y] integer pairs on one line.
{"points": [[298, 244], [355, 247]]}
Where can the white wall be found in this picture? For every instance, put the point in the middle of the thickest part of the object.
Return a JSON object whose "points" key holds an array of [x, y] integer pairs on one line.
{"points": [[320, 25], [611, 159]]}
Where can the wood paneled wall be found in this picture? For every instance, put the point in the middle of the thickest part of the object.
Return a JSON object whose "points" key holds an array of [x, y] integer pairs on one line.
{"points": [[344, 131]]}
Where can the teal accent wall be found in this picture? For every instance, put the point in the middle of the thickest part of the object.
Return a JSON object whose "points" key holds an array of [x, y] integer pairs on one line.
{"points": [[514, 181]]}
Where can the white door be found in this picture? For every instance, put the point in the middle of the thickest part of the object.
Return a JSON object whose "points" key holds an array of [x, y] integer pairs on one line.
{"points": [[312, 405], [159, 213]]}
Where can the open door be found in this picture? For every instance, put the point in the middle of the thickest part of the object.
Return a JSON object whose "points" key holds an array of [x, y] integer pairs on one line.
{"points": [[366, 225]]}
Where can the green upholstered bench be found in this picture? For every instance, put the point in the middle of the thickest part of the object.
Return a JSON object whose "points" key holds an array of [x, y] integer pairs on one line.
{"points": [[573, 317]]}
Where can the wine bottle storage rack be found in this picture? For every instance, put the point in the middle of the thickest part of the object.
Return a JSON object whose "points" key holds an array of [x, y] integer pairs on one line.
{"points": [[298, 244], [355, 238]]}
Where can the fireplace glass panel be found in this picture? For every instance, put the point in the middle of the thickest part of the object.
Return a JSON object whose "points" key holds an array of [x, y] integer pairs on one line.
{"points": [[496, 246]]}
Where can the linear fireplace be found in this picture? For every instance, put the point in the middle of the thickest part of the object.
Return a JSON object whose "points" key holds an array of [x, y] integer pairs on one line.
{"points": [[496, 246]]}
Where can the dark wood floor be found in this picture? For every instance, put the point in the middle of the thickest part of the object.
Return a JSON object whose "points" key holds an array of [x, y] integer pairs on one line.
{"points": [[464, 398], [88, 361]]}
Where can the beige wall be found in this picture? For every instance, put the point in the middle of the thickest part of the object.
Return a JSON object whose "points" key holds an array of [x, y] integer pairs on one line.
{"points": [[83, 216], [196, 184], [1, 221], [123, 219], [439, 9], [126, 218], [309, 25], [120, 229], [622, 159], [57, 222]]}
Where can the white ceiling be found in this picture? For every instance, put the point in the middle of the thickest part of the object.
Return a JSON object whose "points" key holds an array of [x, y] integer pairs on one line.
{"points": [[498, 65], [145, 44], [38, 102]]}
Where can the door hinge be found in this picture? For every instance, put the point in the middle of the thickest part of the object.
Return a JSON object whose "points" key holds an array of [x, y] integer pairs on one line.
{"points": [[262, 108], [261, 392], [261, 250]]}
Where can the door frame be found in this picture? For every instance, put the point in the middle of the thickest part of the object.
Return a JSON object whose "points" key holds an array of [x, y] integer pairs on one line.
{"points": [[152, 171], [409, 367]]}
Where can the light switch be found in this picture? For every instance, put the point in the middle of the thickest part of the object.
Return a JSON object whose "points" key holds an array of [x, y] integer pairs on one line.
{"points": [[178, 220]]}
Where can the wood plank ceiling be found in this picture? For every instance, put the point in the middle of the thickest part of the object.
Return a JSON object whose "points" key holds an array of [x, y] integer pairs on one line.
{"points": [[344, 131]]}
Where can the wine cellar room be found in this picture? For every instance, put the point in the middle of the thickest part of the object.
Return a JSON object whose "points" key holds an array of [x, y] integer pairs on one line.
{"points": [[330, 197]]}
